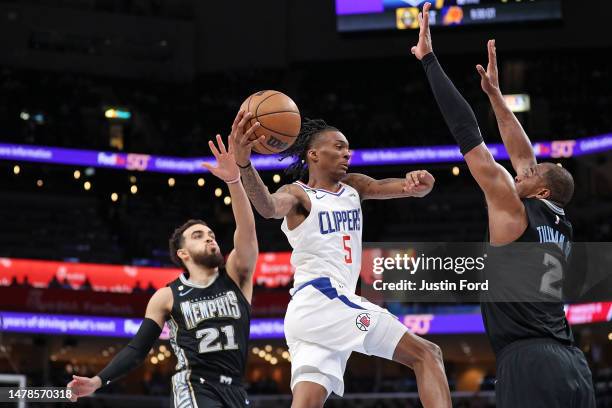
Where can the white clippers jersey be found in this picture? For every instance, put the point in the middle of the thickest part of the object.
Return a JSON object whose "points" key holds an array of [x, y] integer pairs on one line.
{"points": [[328, 242]]}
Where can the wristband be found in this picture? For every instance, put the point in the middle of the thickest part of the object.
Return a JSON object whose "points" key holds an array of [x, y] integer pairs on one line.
{"points": [[234, 181], [244, 167]]}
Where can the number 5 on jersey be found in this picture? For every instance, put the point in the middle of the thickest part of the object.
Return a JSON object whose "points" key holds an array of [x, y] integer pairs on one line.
{"points": [[348, 258]]}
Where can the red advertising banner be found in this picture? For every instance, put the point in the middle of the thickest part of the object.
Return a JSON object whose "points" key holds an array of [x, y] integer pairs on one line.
{"points": [[273, 270], [589, 313], [84, 302], [77, 302]]}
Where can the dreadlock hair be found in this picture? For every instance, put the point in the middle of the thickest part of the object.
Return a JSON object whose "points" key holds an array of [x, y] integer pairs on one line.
{"points": [[299, 149]]}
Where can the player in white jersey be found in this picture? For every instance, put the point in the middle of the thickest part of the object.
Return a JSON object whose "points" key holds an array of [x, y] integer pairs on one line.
{"points": [[325, 320]]}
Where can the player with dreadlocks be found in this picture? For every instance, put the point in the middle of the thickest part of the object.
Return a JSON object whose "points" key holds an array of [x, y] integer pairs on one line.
{"points": [[325, 321]]}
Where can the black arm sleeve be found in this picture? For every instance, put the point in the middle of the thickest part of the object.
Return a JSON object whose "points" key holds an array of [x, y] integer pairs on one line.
{"points": [[457, 112], [133, 354]]}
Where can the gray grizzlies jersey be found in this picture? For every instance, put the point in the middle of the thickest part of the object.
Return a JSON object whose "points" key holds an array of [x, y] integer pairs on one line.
{"points": [[209, 328]]}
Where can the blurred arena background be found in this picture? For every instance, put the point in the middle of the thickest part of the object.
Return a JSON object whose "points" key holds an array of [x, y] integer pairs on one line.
{"points": [[126, 85]]}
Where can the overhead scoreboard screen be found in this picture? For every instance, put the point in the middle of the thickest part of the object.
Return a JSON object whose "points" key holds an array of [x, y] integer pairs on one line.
{"points": [[368, 15]]}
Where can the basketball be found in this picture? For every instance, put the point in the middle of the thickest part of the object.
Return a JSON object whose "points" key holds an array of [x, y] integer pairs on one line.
{"points": [[279, 117]]}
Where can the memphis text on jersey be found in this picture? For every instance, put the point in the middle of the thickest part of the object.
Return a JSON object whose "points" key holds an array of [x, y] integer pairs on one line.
{"points": [[344, 220], [196, 311]]}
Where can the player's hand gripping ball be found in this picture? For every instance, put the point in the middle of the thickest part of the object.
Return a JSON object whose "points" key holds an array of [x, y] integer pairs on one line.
{"points": [[279, 119]]}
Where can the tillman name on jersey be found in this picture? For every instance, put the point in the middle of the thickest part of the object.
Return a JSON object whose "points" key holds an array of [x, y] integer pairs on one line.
{"points": [[196, 311]]}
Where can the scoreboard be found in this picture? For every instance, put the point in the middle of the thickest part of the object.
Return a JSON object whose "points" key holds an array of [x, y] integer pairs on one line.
{"points": [[368, 15]]}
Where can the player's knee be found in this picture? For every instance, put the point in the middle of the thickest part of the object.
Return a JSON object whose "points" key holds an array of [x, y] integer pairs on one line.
{"points": [[434, 353], [308, 400], [308, 395], [418, 351]]}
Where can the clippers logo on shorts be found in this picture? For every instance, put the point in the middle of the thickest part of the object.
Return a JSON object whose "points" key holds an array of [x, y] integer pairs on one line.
{"points": [[196, 311], [363, 321], [339, 221]]}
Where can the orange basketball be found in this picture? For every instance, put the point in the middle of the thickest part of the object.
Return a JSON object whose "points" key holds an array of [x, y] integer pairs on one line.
{"points": [[279, 117]]}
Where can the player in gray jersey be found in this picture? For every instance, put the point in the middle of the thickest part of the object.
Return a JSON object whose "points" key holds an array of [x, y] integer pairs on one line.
{"points": [[537, 363], [207, 307]]}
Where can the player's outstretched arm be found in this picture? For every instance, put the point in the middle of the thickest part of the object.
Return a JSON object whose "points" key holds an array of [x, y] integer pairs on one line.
{"points": [[417, 183], [241, 261], [132, 355], [515, 139], [507, 219], [276, 205]]}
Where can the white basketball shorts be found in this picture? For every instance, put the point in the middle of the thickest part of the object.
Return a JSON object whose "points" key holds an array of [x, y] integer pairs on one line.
{"points": [[324, 324]]}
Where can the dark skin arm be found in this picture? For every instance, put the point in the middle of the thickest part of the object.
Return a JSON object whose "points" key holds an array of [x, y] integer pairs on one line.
{"points": [[513, 135], [416, 184], [507, 215]]}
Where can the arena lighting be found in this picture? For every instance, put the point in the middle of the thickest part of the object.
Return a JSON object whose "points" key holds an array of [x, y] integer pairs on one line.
{"points": [[116, 113], [87, 186], [133, 179], [201, 182], [171, 182], [16, 169], [114, 197], [227, 200], [218, 192], [518, 102], [455, 171], [40, 183], [76, 174], [556, 149], [276, 178]]}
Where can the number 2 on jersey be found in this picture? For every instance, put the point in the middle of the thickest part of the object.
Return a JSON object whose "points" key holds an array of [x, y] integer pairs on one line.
{"points": [[348, 258]]}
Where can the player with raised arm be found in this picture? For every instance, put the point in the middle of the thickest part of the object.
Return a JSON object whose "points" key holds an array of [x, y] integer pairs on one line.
{"points": [[207, 308], [325, 321], [537, 362]]}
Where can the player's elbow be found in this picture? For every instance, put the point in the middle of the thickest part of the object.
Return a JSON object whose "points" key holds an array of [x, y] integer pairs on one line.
{"points": [[266, 211]]}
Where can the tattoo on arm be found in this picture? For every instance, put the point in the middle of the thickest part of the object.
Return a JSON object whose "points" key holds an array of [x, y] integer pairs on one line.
{"points": [[258, 192], [389, 181], [370, 188]]}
